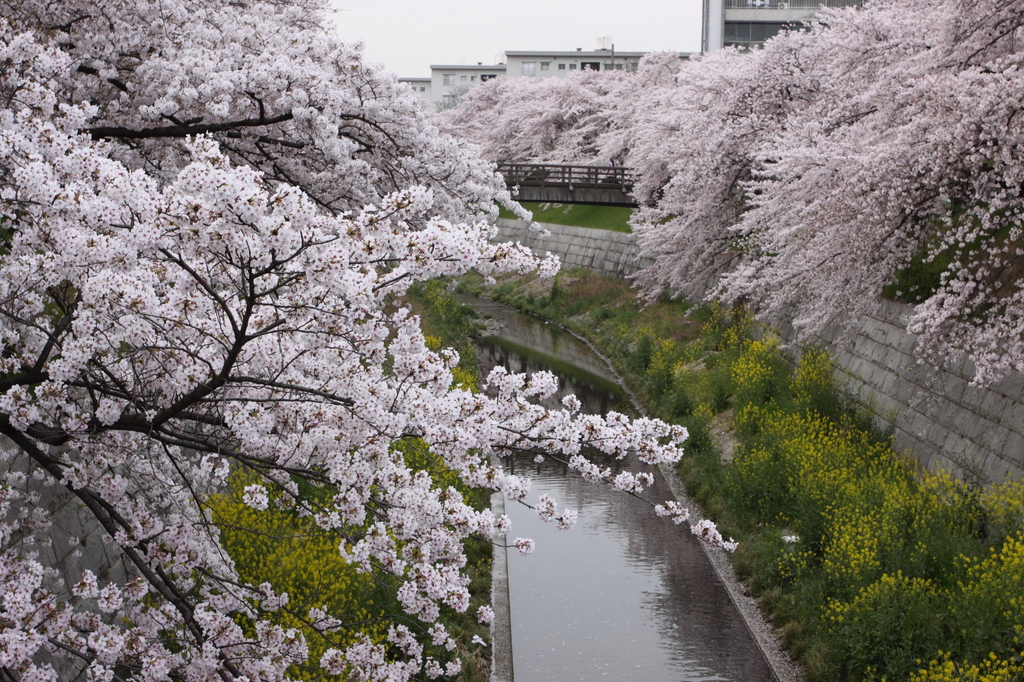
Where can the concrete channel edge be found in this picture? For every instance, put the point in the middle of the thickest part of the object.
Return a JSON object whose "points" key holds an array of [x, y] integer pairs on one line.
{"points": [[501, 626]]}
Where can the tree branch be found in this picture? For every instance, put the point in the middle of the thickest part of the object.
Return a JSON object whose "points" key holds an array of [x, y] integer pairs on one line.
{"points": [[183, 130]]}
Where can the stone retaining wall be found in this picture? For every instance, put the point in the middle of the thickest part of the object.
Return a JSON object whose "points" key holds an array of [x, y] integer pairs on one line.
{"points": [[937, 415], [614, 254]]}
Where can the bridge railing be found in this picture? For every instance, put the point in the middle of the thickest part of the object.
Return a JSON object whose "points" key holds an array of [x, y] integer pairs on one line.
{"points": [[555, 175], [790, 4]]}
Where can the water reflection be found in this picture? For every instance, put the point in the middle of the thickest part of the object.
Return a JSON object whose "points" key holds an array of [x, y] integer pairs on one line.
{"points": [[624, 594], [597, 394]]}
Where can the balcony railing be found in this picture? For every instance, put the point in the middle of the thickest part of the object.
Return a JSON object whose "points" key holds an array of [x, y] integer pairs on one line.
{"points": [[809, 5]]}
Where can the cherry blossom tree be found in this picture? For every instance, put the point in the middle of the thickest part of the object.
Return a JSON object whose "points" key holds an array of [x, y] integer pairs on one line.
{"points": [[837, 161], [906, 156], [556, 120], [695, 143], [266, 82], [878, 147], [209, 212], [587, 117]]}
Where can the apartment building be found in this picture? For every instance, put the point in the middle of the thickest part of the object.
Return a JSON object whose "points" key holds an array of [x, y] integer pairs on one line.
{"points": [[448, 82], [421, 86], [748, 23], [531, 64]]}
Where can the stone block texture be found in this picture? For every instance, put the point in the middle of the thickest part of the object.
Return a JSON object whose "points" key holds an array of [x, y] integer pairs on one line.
{"points": [[937, 416], [613, 254]]}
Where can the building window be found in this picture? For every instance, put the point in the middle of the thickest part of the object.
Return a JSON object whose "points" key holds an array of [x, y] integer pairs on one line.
{"points": [[472, 79], [593, 66], [545, 66], [572, 67], [751, 33], [529, 68], [561, 67], [423, 89], [484, 77], [449, 79], [448, 100]]}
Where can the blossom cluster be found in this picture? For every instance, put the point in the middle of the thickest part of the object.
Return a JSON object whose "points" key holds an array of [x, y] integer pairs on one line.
{"points": [[708, 532]]}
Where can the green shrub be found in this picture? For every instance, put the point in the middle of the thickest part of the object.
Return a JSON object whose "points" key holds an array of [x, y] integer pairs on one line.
{"points": [[661, 371], [887, 627], [641, 353], [814, 386], [760, 375], [682, 404]]}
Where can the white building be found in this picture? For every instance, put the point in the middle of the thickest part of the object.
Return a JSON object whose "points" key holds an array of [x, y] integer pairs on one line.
{"points": [[421, 86], [561, 64], [748, 23], [448, 82]]}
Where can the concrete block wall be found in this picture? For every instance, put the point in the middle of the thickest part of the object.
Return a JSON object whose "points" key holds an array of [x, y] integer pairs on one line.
{"points": [[938, 416], [614, 254]]}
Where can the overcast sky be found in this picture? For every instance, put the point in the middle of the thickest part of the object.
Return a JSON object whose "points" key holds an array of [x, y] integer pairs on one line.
{"points": [[407, 36]]}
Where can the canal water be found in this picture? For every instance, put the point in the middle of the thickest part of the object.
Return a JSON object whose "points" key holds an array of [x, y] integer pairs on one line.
{"points": [[625, 595]]}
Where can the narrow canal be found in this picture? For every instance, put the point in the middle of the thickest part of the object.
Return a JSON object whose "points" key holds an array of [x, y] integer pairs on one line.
{"points": [[625, 595]]}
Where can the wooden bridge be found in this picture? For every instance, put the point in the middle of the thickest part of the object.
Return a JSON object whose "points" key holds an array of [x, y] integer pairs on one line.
{"points": [[601, 185]]}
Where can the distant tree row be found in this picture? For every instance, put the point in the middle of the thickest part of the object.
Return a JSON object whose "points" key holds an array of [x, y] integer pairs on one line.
{"points": [[881, 150]]}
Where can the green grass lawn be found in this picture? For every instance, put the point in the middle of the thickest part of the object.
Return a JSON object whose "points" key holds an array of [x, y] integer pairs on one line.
{"points": [[615, 218]]}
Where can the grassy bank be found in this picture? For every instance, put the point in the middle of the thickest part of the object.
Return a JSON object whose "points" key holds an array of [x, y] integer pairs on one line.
{"points": [[615, 218], [870, 570]]}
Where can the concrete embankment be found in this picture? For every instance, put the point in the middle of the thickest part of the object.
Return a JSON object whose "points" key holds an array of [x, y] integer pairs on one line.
{"points": [[613, 254], [501, 627]]}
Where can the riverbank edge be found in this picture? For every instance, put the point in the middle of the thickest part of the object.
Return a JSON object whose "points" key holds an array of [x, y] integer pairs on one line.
{"points": [[501, 627], [938, 414], [779, 661]]}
